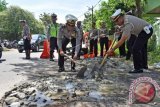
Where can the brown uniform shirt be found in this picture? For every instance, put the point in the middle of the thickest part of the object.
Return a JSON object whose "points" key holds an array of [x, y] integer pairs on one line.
{"points": [[63, 32], [26, 32], [93, 34], [133, 25]]}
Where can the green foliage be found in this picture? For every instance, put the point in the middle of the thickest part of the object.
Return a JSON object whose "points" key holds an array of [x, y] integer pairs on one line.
{"points": [[45, 17], [152, 43], [150, 19], [105, 11], [3, 5], [10, 26], [88, 21], [154, 56]]}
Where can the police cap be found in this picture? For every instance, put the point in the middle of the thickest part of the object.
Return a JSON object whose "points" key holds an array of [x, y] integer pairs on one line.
{"points": [[53, 15], [117, 14], [22, 21], [71, 19]]}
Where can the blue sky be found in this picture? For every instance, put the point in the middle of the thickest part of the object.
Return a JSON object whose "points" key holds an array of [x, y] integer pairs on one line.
{"points": [[60, 7]]}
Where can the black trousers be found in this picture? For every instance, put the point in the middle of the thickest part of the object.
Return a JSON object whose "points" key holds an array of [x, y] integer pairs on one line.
{"points": [[130, 43], [103, 42], [27, 48], [85, 51], [65, 41], [122, 50], [93, 44], [53, 46], [27, 44], [79, 53], [140, 50]]}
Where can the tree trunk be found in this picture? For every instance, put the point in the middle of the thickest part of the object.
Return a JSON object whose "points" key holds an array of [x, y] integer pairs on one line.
{"points": [[139, 9]]}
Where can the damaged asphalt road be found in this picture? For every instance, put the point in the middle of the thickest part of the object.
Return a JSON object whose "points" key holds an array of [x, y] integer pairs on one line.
{"points": [[48, 88]]}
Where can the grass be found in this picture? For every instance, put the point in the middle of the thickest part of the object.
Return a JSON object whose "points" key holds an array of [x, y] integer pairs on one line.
{"points": [[154, 57]]}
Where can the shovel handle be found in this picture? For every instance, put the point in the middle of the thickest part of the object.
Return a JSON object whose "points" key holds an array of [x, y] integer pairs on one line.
{"points": [[107, 54], [72, 59]]}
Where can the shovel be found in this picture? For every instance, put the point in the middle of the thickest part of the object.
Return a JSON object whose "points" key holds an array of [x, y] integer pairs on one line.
{"points": [[83, 69]]}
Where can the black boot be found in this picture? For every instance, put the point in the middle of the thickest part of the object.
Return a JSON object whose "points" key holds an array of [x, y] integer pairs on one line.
{"points": [[27, 54], [73, 69], [51, 55], [136, 71], [61, 69]]}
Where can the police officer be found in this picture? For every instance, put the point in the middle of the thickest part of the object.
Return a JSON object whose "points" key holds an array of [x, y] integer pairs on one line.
{"points": [[142, 29], [52, 35], [26, 38], [79, 26], [68, 33], [103, 35], [93, 36]]}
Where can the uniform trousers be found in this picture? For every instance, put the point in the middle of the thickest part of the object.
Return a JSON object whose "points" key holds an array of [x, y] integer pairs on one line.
{"points": [[140, 50], [103, 42], [130, 43], [65, 41], [93, 44], [53, 46]]}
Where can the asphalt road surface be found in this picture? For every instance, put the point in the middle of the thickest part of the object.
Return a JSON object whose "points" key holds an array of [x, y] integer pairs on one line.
{"points": [[13, 70]]}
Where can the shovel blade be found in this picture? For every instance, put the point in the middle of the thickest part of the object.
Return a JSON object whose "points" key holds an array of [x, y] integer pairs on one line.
{"points": [[81, 72]]}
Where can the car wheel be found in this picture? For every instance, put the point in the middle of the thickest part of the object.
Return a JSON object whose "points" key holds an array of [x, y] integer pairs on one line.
{"points": [[20, 51]]}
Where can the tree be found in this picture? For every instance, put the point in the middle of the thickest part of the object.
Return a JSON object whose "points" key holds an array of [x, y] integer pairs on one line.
{"points": [[45, 17], [10, 26], [106, 9], [3, 5]]}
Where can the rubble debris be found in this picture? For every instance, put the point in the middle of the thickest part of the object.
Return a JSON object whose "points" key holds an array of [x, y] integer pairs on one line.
{"points": [[66, 90], [157, 65]]}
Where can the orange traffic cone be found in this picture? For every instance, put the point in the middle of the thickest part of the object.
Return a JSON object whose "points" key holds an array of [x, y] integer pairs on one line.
{"points": [[45, 54]]}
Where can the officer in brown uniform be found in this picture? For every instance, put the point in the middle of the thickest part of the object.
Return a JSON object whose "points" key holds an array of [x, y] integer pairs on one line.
{"points": [[79, 26], [26, 38], [93, 37], [68, 33], [142, 29], [103, 35]]}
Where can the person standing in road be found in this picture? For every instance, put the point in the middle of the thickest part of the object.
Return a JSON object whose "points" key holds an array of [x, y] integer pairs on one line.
{"points": [[68, 33], [52, 35], [93, 36], [79, 26], [140, 28], [26, 38], [103, 35]]}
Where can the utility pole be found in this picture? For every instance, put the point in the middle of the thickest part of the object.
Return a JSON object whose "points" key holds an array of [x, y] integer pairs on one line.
{"points": [[92, 15]]}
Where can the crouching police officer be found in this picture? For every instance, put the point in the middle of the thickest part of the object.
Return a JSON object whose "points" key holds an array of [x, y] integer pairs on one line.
{"points": [[68, 33], [142, 29]]}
